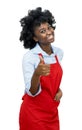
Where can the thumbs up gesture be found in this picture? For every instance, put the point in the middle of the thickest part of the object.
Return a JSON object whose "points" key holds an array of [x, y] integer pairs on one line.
{"points": [[42, 68]]}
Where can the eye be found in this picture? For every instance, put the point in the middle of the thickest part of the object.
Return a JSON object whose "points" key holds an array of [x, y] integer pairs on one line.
{"points": [[42, 31]]}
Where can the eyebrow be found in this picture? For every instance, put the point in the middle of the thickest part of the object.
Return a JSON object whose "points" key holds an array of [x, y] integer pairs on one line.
{"points": [[43, 27]]}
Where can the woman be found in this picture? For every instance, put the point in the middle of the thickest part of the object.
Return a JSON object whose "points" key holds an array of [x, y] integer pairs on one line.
{"points": [[42, 72]]}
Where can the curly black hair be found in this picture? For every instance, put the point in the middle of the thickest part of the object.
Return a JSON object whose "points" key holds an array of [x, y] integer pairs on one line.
{"points": [[33, 19]]}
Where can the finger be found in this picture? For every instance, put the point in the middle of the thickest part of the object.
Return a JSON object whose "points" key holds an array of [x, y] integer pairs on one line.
{"points": [[41, 60], [47, 66], [56, 98], [45, 73]]}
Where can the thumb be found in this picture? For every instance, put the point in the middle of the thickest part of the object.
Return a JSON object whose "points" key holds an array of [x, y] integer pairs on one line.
{"points": [[41, 60]]}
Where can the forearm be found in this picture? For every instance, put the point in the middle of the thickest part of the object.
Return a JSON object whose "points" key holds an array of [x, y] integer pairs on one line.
{"points": [[35, 82]]}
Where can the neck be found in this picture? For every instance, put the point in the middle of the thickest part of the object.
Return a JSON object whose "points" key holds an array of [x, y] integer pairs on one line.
{"points": [[47, 48]]}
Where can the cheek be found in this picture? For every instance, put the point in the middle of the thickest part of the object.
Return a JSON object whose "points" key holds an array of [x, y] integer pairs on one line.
{"points": [[42, 38], [53, 32]]}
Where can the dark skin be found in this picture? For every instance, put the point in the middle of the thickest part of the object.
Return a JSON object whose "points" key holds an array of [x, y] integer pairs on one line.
{"points": [[44, 34]]}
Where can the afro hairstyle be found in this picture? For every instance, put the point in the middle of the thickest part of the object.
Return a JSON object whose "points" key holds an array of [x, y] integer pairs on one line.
{"points": [[34, 18]]}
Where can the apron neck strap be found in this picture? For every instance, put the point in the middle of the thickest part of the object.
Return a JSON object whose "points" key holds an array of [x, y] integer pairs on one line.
{"points": [[56, 59], [40, 54]]}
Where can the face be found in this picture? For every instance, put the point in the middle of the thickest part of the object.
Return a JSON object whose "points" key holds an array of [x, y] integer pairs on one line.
{"points": [[44, 34]]}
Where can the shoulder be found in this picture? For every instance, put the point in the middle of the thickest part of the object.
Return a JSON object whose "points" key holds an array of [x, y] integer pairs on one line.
{"points": [[59, 52], [30, 57]]}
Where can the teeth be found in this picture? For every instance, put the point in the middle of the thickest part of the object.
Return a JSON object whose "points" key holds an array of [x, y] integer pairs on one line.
{"points": [[49, 37]]}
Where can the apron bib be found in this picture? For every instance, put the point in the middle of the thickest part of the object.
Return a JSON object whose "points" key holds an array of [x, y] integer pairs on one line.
{"points": [[40, 112]]}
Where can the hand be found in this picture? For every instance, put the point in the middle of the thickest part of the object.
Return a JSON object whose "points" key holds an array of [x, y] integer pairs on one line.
{"points": [[58, 95], [42, 68]]}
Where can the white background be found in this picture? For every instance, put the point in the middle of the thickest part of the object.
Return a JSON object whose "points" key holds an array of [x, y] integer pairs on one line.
{"points": [[68, 37]]}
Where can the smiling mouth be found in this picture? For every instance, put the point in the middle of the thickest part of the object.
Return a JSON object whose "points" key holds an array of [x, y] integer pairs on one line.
{"points": [[50, 37]]}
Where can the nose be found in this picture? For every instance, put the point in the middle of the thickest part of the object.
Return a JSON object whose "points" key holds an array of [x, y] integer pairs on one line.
{"points": [[48, 32]]}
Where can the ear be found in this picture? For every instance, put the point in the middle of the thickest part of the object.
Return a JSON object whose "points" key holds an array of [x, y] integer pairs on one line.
{"points": [[35, 39]]}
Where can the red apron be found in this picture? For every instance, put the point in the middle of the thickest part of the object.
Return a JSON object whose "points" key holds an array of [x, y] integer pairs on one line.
{"points": [[40, 112]]}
